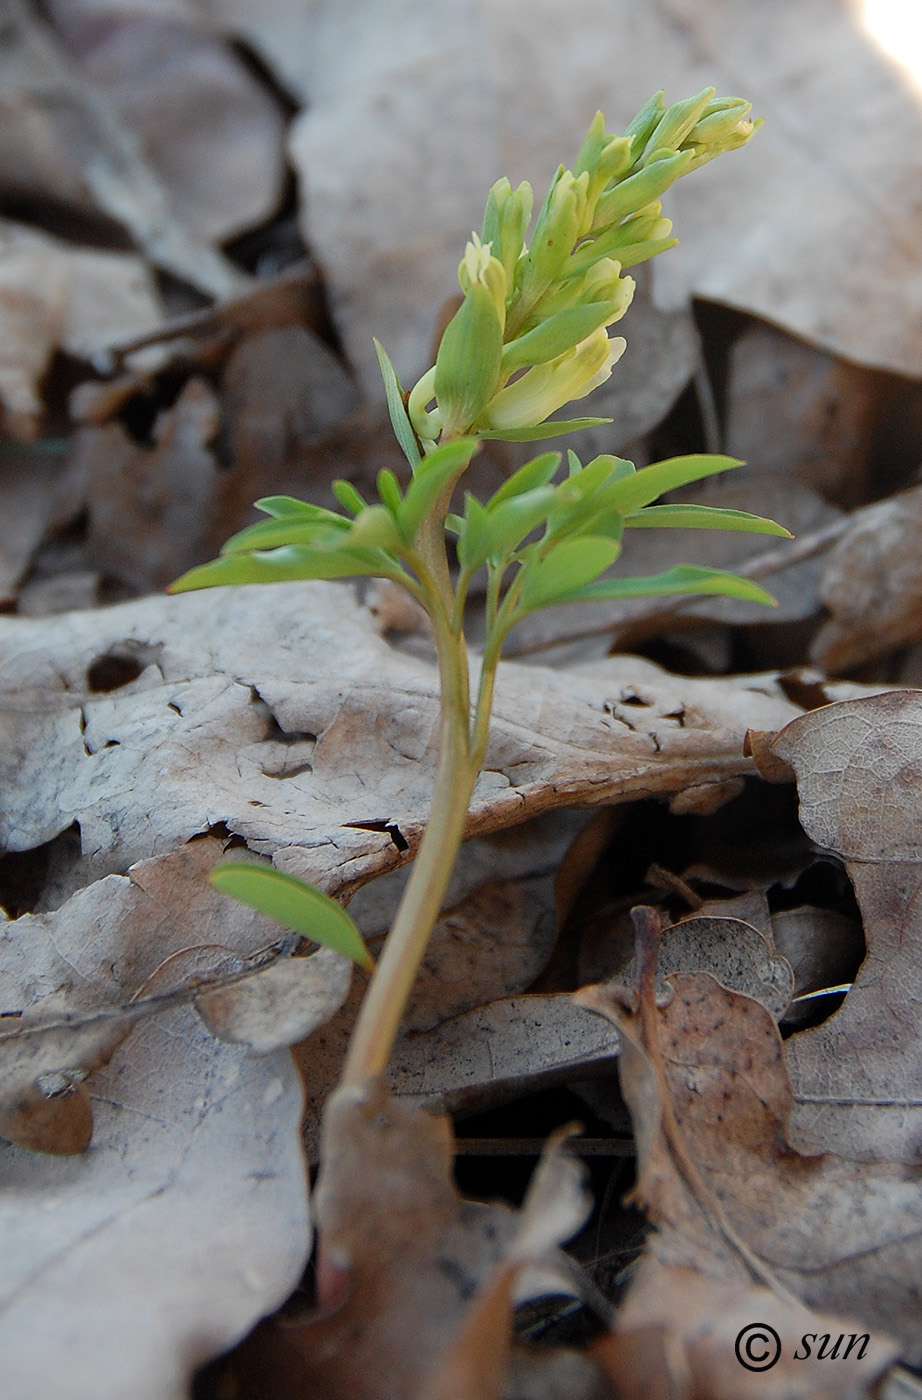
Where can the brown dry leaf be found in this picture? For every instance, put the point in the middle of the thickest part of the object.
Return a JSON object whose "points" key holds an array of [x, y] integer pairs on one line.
{"points": [[855, 1077], [405, 1263], [67, 1016], [63, 140], [499, 919], [53, 296], [872, 585], [150, 508], [497, 1052], [797, 412], [705, 1080], [125, 1269], [823, 947], [280, 713], [27, 487], [737, 955], [210, 132]]}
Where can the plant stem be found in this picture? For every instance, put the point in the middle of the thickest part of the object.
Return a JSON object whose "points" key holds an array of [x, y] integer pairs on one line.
{"points": [[386, 999]]}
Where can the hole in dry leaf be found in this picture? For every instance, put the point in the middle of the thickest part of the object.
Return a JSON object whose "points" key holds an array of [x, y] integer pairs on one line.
{"points": [[121, 665], [24, 874], [220, 831], [391, 828]]}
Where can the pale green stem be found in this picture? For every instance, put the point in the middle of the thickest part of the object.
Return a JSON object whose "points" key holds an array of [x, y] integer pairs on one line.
{"points": [[386, 999]]}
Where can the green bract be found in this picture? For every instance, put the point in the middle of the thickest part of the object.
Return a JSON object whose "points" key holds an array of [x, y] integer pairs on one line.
{"points": [[530, 336]]}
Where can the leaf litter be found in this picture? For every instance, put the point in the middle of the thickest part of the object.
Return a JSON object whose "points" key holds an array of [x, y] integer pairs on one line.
{"points": [[137, 738]]}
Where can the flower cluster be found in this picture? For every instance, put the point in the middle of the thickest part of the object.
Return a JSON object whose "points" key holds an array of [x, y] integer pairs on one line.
{"points": [[531, 333]]}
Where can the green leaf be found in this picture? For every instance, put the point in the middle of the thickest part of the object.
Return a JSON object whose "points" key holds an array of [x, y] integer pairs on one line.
{"points": [[286, 565], [403, 429], [568, 566], [289, 529], [389, 491], [552, 428], [349, 498], [506, 525], [294, 904], [467, 364], [650, 482], [704, 518], [685, 578], [374, 528], [437, 472], [472, 535], [537, 472], [286, 507], [553, 336]]}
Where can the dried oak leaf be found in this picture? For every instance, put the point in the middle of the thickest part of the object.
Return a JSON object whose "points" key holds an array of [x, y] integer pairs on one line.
{"points": [[126, 1268], [856, 1077], [63, 139], [281, 713], [872, 585], [705, 1080], [209, 129], [53, 296], [80, 979]]}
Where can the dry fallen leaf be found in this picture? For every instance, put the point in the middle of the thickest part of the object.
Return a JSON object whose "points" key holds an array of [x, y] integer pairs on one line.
{"points": [[871, 585], [211, 133], [53, 296], [855, 1077], [149, 508], [277, 713], [64, 140], [705, 1080], [410, 1276], [126, 1268]]}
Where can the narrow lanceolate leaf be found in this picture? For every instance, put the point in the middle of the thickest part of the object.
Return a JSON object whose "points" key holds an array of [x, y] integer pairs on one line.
{"points": [[685, 578], [555, 335], [540, 431], [286, 565], [537, 472], [568, 566], [436, 473], [704, 518], [287, 507], [472, 535], [349, 497], [403, 429], [505, 526], [467, 365], [650, 482], [294, 904], [289, 529]]}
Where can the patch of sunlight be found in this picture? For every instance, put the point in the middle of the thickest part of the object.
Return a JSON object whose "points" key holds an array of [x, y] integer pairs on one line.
{"points": [[896, 28]]}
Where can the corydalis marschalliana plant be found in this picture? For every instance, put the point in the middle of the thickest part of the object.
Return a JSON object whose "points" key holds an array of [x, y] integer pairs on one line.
{"points": [[530, 335]]}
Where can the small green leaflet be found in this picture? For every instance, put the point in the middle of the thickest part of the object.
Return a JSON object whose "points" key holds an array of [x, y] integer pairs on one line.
{"points": [[564, 569], [704, 518], [648, 483], [437, 472], [403, 430], [288, 565], [685, 578], [537, 472], [554, 427], [294, 904]]}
